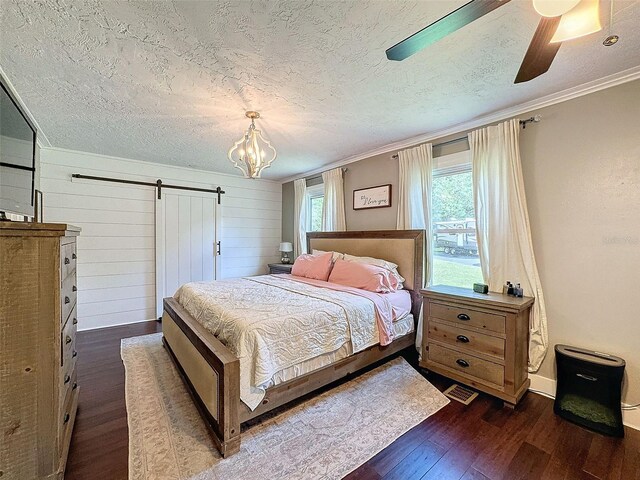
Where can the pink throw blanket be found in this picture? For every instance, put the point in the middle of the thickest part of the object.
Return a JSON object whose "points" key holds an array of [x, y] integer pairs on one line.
{"points": [[384, 311]]}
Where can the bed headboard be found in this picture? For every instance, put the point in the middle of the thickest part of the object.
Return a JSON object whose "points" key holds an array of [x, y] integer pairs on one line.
{"points": [[403, 247]]}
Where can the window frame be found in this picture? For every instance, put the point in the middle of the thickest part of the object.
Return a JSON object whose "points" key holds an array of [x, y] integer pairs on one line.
{"points": [[449, 168], [455, 167]]}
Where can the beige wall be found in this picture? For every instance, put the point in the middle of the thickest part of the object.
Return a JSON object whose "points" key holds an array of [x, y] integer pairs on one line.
{"points": [[581, 167], [371, 172]]}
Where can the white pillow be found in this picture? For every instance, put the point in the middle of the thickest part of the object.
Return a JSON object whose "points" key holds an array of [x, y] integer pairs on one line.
{"points": [[336, 255], [392, 267]]}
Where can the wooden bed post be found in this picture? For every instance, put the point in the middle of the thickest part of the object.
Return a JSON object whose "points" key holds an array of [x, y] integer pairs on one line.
{"points": [[213, 376]]}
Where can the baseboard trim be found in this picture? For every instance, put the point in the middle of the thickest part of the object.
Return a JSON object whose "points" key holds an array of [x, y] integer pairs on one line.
{"points": [[100, 327], [547, 386]]}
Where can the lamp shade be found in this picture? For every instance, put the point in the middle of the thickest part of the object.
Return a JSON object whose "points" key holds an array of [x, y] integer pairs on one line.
{"points": [[580, 21], [286, 247], [554, 8]]}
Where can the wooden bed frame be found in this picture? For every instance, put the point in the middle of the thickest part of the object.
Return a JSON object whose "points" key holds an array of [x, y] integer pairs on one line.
{"points": [[212, 372]]}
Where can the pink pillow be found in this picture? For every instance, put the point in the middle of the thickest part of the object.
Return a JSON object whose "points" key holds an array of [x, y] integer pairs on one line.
{"points": [[317, 267], [363, 276]]}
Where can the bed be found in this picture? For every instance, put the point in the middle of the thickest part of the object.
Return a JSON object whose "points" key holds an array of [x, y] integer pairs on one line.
{"points": [[232, 382]]}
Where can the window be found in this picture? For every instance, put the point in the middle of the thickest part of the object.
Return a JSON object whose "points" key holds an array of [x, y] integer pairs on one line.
{"points": [[315, 199], [455, 259]]}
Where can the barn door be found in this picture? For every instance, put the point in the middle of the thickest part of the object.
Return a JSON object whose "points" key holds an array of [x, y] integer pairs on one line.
{"points": [[186, 241]]}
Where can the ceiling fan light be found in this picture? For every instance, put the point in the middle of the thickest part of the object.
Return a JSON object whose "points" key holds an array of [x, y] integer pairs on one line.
{"points": [[583, 20], [554, 8]]}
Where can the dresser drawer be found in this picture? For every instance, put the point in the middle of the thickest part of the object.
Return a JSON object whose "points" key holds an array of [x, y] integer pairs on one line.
{"points": [[467, 317], [66, 419], [67, 372], [68, 258], [66, 392], [467, 364], [68, 294], [68, 339], [466, 340]]}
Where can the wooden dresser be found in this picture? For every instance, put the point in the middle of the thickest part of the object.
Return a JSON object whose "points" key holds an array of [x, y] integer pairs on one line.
{"points": [[38, 389], [477, 339]]}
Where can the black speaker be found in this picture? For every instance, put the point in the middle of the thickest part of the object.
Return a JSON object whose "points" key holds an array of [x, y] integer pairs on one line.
{"points": [[589, 389]]}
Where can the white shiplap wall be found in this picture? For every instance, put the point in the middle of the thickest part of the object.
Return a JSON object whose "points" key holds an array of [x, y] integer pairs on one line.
{"points": [[116, 250]]}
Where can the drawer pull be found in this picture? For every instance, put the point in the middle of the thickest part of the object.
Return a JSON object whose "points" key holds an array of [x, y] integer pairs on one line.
{"points": [[67, 300], [74, 289], [74, 354], [67, 379], [75, 321], [66, 417], [587, 377], [463, 316], [462, 363], [68, 340], [74, 256], [74, 386], [462, 338], [67, 261]]}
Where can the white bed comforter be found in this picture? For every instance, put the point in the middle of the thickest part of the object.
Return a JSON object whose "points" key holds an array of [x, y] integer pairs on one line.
{"points": [[271, 323]]}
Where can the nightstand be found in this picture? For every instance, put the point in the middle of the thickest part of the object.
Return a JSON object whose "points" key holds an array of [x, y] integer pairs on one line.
{"points": [[280, 267], [477, 339]]}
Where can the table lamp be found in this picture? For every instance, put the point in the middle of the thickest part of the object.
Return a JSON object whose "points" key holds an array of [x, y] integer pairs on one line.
{"points": [[285, 248]]}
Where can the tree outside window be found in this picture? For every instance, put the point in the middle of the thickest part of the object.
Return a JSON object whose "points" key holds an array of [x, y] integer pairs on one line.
{"points": [[316, 213], [456, 260]]}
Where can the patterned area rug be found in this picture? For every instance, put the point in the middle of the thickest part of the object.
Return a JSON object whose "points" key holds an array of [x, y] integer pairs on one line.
{"points": [[324, 437]]}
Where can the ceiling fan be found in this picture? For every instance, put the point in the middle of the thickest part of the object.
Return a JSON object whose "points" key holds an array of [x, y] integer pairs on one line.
{"points": [[561, 20]]}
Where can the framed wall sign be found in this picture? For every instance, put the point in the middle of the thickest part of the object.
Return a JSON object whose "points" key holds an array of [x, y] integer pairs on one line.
{"points": [[372, 197]]}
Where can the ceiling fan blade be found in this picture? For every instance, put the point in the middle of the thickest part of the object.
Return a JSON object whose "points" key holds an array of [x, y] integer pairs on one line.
{"points": [[541, 52], [441, 28]]}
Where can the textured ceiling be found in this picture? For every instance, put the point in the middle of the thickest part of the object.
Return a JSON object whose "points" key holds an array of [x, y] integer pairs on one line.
{"points": [[169, 81]]}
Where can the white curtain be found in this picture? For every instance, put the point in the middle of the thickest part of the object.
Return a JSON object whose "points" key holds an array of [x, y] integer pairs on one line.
{"points": [[333, 216], [414, 207], [414, 197], [300, 217], [502, 223]]}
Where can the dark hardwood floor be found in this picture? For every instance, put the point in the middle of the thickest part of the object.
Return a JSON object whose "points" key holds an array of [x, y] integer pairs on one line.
{"points": [[476, 442]]}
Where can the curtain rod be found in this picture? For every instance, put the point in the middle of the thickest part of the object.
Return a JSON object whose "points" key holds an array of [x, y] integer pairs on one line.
{"points": [[344, 170], [448, 142], [523, 123]]}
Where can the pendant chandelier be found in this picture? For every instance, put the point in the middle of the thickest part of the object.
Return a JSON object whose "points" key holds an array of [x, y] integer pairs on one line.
{"points": [[252, 153]]}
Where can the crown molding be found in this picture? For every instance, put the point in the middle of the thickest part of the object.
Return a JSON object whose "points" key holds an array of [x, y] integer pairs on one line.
{"points": [[41, 138], [574, 92]]}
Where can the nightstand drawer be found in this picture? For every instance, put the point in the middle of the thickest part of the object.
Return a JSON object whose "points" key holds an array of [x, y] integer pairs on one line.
{"points": [[467, 364], [466, 340], [467, 317], [276, 268]]}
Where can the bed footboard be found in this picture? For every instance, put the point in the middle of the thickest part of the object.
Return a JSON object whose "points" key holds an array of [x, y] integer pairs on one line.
{"points": [[211, 372]]}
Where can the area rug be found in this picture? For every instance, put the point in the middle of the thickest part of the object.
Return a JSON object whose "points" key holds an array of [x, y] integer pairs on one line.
{"points": [[324, 437]]}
